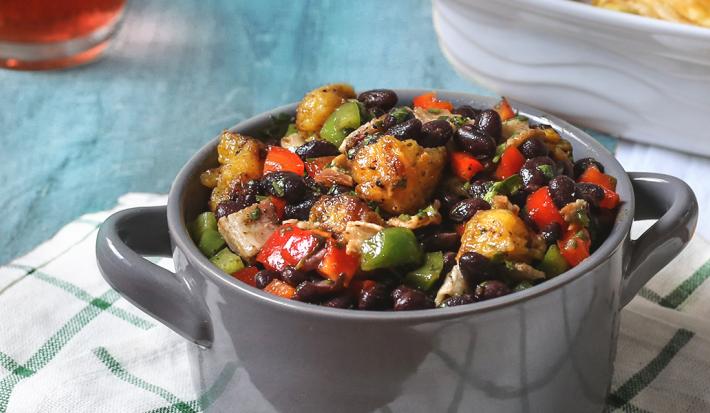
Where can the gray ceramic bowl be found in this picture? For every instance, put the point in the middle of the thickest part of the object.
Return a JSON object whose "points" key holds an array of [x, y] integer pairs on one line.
{"points": [[549, 348]]}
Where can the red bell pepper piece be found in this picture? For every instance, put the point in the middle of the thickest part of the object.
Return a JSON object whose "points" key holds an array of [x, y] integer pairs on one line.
{"points": [[574, 246], [247, 275], [271, 253], [429, 101], [542, 209], [315, 165], [337, 263], [504, 110], [510, 162], [288, 245], [610, 201], [300, 245], [281, 159], [279, 207], [465, 166], [280, 288], [594, 176]]}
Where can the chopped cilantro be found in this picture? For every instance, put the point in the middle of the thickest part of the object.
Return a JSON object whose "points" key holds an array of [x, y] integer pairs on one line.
{"points": [[546, 170], [255, 214], [400, 114], [278, 127], [429, 211], [508, 186], [499, 152], [278, 186], [582, 217]]}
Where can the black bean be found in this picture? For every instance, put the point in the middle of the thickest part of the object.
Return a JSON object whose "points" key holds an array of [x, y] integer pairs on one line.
{"points": [[241, 196], [449, 262], [395, 116], [435, 133], [301, 210], [474, 267], [341, 301], [551, 233], [374, 296], [601, 224], [490, 289], [311, 262], [582, 164], [475, 142], [285, 184], [466, 111], [316, 149], [562, 190], [293, 277], [226, 208], [479, 188], [310, 291], [381, 99], [536, 172], [409, 129], [592, 193], [565, 167], [466, 208], [533, 148], [398, 291], [264, 277], [408, 299], [387, 122], [448, 200], [489, 123], [441, 241], [455, 300]]}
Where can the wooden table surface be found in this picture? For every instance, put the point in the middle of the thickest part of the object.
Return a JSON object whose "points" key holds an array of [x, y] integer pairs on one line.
{"points": [[177, 73]]}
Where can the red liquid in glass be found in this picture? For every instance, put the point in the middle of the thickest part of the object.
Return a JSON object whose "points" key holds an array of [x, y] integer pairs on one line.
{"points": [[47, 21]]}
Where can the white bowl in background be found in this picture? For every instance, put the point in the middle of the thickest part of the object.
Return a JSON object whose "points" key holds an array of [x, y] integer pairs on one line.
{"points": [[630, 76]]}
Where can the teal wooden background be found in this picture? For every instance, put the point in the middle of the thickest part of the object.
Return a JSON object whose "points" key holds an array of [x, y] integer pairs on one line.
{"points": [[178, 72]]}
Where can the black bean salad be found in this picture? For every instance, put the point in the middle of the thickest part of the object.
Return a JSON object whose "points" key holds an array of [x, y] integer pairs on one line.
{"points": [[358, 201]]}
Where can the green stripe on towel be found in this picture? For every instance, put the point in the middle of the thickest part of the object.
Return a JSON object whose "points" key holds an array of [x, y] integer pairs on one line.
{"points": [[639, 381], [117, 369], [682, 292], [51, 347]]}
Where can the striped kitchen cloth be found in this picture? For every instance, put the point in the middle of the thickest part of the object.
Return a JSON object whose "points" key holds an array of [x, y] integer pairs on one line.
{"points": [[70, 344]]}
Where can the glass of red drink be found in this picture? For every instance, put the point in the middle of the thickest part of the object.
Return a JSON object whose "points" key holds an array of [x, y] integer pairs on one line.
{"points": [[51, 34]]}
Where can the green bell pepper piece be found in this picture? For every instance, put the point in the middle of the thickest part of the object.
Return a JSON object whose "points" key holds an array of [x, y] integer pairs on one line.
{"points": [[553, 263], [425, 277], [341, 122], [202, 223], [227, 261], [508, 186], [291, 129], [391, 247], [210, 242]]}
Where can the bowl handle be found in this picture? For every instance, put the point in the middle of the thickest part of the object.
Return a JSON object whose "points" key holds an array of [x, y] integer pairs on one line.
{"points": [[122, 242], [673, 204]]}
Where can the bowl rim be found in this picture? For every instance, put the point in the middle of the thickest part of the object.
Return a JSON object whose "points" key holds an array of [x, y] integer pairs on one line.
{"points": [[588, 12], [190, 171]]}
